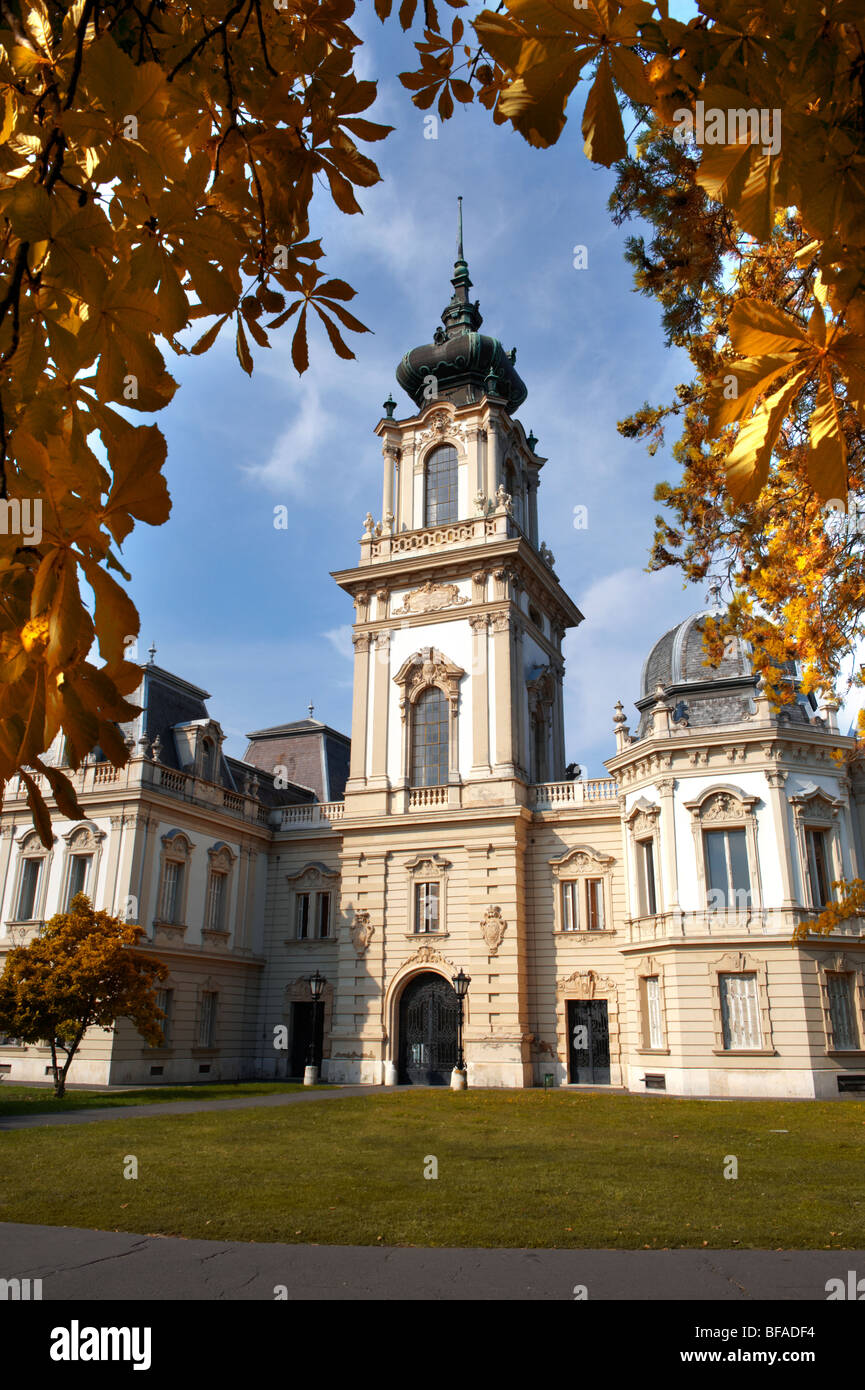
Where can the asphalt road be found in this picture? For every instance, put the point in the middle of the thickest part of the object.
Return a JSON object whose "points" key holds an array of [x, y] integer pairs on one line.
{"points": [[106, 1265]]}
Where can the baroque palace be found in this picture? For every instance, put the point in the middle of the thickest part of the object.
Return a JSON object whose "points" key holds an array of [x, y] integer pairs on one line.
{"points": [[632, 931]]}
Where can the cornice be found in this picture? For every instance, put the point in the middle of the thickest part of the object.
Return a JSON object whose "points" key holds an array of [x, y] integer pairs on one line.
{"points": [[459, 563]]}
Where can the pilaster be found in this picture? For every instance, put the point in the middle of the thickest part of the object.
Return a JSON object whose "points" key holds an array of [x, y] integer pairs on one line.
{"points": [[480, 697], [360, 701]]}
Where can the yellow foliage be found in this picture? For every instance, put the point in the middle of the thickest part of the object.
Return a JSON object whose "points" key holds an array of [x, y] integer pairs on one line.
{"points": [[156, 167]]}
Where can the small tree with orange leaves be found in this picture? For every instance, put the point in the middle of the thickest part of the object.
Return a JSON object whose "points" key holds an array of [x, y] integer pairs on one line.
{"points": [[82, 972]]}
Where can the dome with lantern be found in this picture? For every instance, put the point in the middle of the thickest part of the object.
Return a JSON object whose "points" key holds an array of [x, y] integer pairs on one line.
{"points": [[700, 695]]}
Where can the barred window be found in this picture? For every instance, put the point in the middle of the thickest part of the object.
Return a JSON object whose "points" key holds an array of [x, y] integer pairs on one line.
{"points": [[440, 486], [216, 902], [429, 762], [172, 890], [842, 1011], [207, 1027], [164, 999]]}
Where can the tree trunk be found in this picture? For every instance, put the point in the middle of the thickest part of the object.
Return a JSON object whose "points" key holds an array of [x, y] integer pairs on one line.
{"points": [[70, 1053], [59, 1079]]}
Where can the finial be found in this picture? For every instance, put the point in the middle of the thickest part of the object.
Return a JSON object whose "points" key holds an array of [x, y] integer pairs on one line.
{"points": [[389, 406], [151, 652], [460, 256], [619, 716], [714, 594], [311, 708], [532, 440]]}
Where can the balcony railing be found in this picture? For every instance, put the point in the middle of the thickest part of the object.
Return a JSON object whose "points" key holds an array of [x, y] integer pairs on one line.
{"points": [[548, 796], [313, 813], [422, 797]]}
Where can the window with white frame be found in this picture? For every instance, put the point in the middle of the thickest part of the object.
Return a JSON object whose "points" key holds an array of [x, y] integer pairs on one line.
{"points": [[28, 888], [426, 907], [165, 1001], [312, 915], [583, 904], [646, 875], [323, 914], [301, 909], [78, 877], [594, 904], [841, 988], [430, 734], [441, 472], [728, 878], [653, 1026], [740, 1012], [571, 906], [819, 876], [207, 1021], [173, 876], [215, 920]]}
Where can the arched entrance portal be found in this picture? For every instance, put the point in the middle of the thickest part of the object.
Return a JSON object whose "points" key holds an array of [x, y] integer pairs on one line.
{"points": [[427, 1031]]}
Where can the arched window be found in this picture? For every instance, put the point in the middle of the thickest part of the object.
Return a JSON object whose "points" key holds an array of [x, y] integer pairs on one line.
{"points": [[512, 488], [440, 486], [207, 760], [429, 747]]}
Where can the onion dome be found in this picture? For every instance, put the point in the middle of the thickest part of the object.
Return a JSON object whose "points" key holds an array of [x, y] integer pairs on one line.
{"points": [[466, 364]]}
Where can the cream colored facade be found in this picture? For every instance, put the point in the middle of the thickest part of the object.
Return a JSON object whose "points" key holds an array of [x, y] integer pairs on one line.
{"points": [[588, 914]]}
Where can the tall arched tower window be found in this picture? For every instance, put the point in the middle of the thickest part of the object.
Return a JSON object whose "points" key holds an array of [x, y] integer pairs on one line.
{"points": [[429, 739], [440, 486]]}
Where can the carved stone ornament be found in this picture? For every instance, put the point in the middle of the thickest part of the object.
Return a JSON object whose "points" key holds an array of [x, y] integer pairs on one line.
{"points": [[586, 983], [361, 931], [425, 668], [440, 424], [722, 808], [431, 597], [427, 955], [493, 928]]}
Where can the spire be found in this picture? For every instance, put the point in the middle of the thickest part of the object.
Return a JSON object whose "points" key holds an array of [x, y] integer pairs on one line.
{"points": [[461, 316]]}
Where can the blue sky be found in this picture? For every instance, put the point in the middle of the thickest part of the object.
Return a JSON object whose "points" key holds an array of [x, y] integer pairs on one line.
{"points": [[250, 612]]}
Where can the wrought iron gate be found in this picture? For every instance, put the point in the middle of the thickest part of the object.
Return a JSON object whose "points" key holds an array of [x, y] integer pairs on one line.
{"points": [[427, 1031], [588, 1041]]}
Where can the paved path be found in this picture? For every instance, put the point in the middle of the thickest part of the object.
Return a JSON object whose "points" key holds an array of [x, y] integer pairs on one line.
{"points": [[104, 1265], [190, 1107]]}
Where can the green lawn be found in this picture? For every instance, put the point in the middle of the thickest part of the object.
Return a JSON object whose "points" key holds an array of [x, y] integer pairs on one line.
{"points": [[39, 1100], [514, 1169]]}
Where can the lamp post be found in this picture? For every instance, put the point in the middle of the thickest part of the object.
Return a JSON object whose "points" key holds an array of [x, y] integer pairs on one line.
{"points": [[316, 984], [461, 984]]}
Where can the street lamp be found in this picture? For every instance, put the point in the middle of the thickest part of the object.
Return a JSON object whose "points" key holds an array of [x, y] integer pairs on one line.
{"points": [[461, 984], [316, 984]]}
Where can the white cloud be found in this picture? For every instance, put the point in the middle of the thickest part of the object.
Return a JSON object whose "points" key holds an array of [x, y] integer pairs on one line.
{"points": [[626, 612], [340, 638]]}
